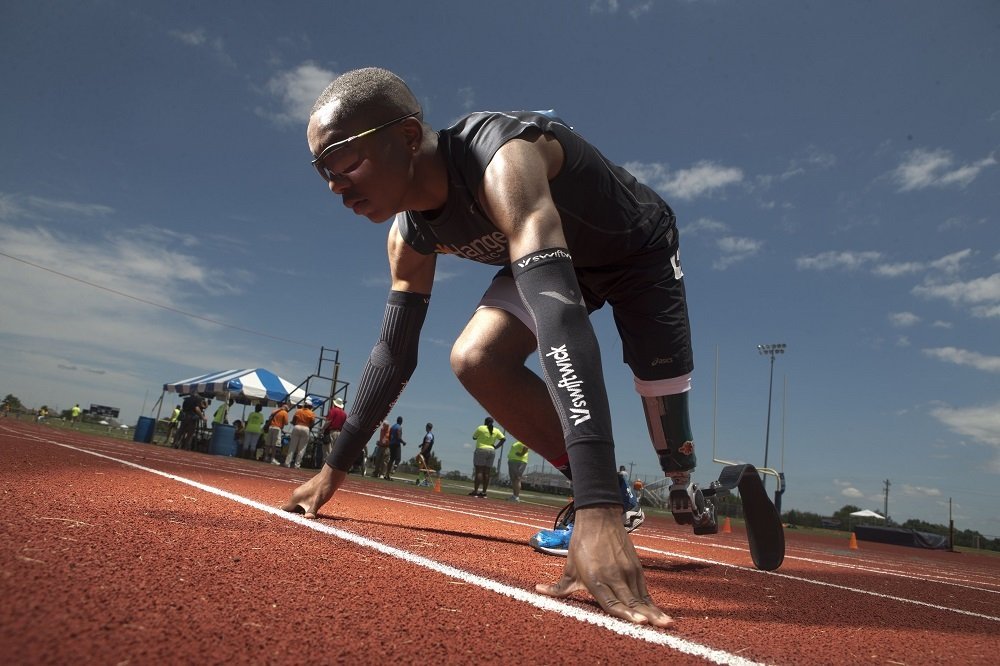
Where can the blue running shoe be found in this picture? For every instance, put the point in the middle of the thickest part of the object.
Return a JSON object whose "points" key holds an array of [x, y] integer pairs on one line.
{"points": [[556, 540], [553, 542]]}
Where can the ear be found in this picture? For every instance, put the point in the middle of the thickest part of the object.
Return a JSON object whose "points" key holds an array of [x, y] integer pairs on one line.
{"points": [[413, 132]]}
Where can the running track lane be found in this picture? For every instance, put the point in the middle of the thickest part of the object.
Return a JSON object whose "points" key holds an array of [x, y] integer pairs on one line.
{"points": [[120, 551]]}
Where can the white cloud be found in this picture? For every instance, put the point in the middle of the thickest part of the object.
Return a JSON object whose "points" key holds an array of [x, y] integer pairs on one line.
{"points": [[847, 260], [815, 159], [634, 9], [981, 423], [852, 492], [296, 91], [704, 225], [919, 491], [896, 270], [702, 179], [964, 357], [922, 168], [903, 319], [852, 260], [196, 37], [735, 249], [199, 38], [55, 316], [982, 292], [16, 206]]}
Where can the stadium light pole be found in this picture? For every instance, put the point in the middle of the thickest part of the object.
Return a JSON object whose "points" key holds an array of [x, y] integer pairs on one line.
{"points": [[770, 351]]}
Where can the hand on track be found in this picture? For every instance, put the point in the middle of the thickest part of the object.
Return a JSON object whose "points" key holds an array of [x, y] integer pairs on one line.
{"points": [[314, 493], [603, 562]]}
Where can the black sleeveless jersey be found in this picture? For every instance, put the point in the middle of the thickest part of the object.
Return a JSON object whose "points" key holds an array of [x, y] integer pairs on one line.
{"points": [[607, 215]]}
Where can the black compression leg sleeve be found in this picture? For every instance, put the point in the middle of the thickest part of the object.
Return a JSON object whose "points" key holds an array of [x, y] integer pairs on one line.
{"points": [[392, 361], [571, 364]]}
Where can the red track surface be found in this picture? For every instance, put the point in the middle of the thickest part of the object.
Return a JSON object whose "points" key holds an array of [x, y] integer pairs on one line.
{"points": [[121, 558]]}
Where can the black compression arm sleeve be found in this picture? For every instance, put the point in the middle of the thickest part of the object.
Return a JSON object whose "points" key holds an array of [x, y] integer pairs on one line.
{"points": [[392, 361], [571, 364]]}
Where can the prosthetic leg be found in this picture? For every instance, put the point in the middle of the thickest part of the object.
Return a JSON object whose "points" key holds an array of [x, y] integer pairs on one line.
{"points": [[670, 431]]}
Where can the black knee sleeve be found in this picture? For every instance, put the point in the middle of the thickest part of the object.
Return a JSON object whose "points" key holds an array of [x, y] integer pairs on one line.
{"points": [[392, 361], [571, 364]]}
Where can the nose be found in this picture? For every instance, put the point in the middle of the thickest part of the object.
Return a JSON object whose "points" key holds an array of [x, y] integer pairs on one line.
{"points": [[338, 184]]}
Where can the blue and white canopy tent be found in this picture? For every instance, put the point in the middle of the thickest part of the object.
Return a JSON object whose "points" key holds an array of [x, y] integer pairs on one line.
{"points": [[250, 386], [247, 386]]}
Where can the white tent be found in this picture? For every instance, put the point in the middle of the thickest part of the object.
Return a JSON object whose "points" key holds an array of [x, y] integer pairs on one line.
{"points": [[255, 385], [867, 513]]}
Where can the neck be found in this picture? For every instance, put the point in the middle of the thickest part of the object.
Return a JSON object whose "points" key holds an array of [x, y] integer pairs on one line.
{"points": [[430, 176]]}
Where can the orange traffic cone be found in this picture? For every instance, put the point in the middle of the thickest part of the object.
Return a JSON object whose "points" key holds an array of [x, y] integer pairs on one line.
{"points": [[726, 527], [853, 545], [437, 484]]}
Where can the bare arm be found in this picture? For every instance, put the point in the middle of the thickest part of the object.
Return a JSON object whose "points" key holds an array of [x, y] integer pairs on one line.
{"points": [[410, 271], [515, 194]]}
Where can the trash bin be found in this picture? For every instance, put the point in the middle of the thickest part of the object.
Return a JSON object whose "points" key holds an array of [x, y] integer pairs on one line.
{"points": [[144, 430], [223, 442]]}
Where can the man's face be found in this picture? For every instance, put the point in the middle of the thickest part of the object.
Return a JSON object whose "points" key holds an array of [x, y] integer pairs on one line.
{"points": [[372, 173]]}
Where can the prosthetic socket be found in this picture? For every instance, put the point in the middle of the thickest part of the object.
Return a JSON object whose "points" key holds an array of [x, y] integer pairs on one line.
{"points": [[669, 426]]}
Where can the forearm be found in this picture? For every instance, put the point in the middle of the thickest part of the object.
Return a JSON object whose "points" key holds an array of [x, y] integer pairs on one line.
{"points": [[570, 360], [390, 365]]}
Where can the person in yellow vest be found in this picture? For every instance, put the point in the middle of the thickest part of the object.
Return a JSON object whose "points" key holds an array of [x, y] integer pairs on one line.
{"points": [[172, 424], [74, 414], [254, 427], [517, 462], [222, 411], [487, 438]]}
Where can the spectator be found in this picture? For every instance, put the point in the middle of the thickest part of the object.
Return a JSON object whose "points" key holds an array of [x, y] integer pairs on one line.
{"points": [[335, 419], [302, 424], [381, 450], [173, 423], [517, 462], [254, 428], [74, 414], [396, 444], [192, 414], [424, 456], [222, 412], [487, 438], [239, 430], [277, 421]]}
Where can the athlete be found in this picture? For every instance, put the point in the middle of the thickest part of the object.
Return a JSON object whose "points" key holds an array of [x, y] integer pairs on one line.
{"points": [[424, 456], [570, 232]]}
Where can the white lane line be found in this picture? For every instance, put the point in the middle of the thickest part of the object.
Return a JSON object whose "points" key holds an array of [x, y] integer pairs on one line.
{"points": [[620, 627], [667, 553]]}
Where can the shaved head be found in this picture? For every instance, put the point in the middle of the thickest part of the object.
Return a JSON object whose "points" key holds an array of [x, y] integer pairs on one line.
{"points": [[374, 93]]}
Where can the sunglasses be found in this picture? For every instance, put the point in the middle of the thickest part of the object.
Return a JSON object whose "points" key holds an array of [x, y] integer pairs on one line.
{"points": [[319, 161]]}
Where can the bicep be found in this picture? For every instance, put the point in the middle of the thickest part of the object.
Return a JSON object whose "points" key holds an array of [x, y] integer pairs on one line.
{"points": [[515, 194], [409, 270]]}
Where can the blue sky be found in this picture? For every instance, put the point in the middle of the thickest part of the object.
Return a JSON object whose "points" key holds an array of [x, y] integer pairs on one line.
{"points": [[833, 166]]}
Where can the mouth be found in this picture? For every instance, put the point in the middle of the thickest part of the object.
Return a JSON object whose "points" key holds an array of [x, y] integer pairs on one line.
{"points": [[355, 204]]}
